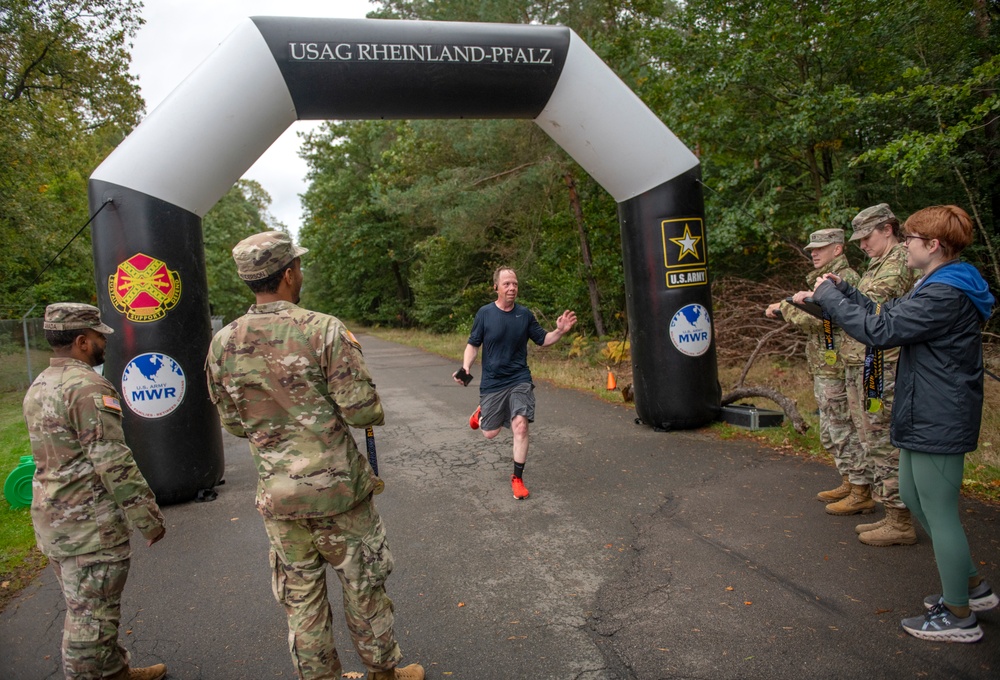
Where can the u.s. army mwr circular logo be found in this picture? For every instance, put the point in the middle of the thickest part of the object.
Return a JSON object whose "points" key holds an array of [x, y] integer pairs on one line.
{"points": [[153, 385], [691, 330], [143, 289]]}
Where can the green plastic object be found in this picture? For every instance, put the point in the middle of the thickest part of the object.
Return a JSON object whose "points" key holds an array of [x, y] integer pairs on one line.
{"points": [[17, 488]]}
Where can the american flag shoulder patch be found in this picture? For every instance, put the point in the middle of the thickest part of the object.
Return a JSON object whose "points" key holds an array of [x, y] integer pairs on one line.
{"points": [[112, 402]]}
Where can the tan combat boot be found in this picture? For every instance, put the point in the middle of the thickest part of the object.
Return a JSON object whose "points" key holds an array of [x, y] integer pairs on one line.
{"points": [[858, 503], [412, 672], [897, 530], [872, 526], [842, 491], [148, 673]]}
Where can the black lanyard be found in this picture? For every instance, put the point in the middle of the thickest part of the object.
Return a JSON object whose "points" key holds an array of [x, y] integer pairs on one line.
{"points": [[873, 377]]}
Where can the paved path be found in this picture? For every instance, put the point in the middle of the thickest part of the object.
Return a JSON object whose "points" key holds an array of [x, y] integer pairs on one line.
{"points": [[639, 555]]}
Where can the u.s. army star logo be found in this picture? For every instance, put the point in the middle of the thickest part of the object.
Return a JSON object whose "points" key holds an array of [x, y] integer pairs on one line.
{"points": [[684, 252], [687, 243], [143, 289]]}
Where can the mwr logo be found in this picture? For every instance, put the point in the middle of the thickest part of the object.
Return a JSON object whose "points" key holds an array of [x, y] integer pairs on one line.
{"points": [[143, 289], [153, 385], [691, 330]]}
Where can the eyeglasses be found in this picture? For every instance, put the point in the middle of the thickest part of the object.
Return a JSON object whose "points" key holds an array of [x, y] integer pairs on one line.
{"points": [[909, 237]]}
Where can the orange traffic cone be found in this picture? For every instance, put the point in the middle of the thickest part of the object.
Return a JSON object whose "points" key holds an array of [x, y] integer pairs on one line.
{"points": [[612, 383]]}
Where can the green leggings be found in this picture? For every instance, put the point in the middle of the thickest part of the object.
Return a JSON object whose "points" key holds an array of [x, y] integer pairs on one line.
{"points": [[929, 484]]}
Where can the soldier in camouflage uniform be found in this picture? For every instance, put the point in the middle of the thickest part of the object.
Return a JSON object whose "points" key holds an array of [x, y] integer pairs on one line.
{"points": [[887, 278], [292, 381], [87, 493], [827, 360]]}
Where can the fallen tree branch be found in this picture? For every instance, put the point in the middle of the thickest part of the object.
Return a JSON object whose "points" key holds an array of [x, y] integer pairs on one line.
{"points": [[786, 404], [753, 355]]}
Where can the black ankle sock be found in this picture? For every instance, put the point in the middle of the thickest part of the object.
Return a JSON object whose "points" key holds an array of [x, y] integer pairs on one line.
{"points": [[518, 469]]}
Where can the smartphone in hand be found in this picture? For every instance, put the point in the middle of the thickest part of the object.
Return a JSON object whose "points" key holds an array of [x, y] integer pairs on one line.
{"points": [[463, 375]]}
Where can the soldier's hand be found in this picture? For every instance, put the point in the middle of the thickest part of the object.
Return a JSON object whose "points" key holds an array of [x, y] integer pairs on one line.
{"points": [[158, 537], [772, 310], [800, 297], [832, 278]]}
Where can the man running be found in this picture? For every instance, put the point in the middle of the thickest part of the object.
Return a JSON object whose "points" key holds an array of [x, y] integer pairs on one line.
{"points": [[506, 393]]}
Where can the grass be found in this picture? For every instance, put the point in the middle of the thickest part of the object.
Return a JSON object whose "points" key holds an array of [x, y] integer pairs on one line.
{"points": [[578, 363], [20, 560]]}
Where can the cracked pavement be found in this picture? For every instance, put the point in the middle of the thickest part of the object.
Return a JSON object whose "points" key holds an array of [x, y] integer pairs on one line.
{"points": [[639, 555]]}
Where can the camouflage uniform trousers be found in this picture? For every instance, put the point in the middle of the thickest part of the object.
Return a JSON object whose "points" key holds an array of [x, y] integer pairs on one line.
{"points": [[880, 465], [92, 586], [836, 429], [354, 544]]}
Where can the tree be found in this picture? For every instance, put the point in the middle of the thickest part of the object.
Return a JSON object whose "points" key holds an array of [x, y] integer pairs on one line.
{"points": [[361, 254], [65, 100], [949, 109], [800, 111], [242, 212]]}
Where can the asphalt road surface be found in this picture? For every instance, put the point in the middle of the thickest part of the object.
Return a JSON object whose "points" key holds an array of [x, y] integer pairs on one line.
{"points": [[639, 555]]}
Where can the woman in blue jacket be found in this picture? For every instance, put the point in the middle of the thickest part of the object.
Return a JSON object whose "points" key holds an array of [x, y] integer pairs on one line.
{"points": [[939, 399]]}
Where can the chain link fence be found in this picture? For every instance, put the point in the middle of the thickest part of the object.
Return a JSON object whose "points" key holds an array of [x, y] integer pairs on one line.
{"points": [[23, 353]]}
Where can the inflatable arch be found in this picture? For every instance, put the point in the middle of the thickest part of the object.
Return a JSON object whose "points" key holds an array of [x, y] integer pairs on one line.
{"points": [[272, 71]]}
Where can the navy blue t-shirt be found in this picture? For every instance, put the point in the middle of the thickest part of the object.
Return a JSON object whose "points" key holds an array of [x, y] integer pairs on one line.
{"points": [[504, 339]]}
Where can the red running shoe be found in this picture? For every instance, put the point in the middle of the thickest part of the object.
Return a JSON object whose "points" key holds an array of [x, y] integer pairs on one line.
{"points": [[474, 419], [517, 486]]}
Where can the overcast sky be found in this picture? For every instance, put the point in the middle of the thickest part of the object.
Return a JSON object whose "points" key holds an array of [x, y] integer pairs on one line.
{"points": [[180, 34]]}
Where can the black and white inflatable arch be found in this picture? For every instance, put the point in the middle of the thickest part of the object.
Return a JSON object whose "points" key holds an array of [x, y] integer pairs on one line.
{"points": [[272, 71]]}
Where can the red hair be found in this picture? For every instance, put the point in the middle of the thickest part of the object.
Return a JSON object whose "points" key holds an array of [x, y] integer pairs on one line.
{"points": [[949, 224]]}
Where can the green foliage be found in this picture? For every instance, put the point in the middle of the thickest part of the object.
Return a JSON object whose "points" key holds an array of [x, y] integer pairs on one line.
{"points": [[65, 100], [441, 303], [805, 112], [361, 254], [17, 538], [955, 111], [243, 211]]}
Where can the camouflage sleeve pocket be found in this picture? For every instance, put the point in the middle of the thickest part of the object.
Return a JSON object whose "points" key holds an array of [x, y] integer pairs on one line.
{"points": [[109, 418]]}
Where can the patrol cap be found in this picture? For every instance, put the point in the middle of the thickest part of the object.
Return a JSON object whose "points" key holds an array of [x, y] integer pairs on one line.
{"points": [[825, 237], [263, 254], [870, 219], [71, 316]]}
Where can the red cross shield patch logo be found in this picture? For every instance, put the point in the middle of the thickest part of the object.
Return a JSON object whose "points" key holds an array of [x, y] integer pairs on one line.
{"points": [[143, 289]]}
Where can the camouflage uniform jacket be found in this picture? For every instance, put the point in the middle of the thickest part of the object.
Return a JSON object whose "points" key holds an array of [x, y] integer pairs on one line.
{"points": [[87, 492], [888, 278], [292, 381], [847, 349]]}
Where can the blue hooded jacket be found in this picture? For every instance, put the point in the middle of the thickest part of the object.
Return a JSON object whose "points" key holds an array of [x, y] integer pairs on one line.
{"points": [[938, 402], [967, 279]]}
